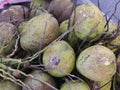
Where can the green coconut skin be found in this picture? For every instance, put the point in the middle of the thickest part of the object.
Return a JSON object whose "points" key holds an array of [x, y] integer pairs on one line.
{"points": [[8, 85], [114, 45], [37, 84], [111, 28], [7, 38], [72, 38], [75, 85], [39, 3], [38, 32], [97, 63], [88, 18], [105, 85], [59, 59]]}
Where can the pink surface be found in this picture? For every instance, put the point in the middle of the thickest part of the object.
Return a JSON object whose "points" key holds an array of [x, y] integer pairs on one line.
{"points": [[3, 2]]}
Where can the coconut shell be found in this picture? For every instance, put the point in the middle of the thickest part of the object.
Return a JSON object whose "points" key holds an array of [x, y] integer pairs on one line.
{"points": [[97, 63], [89, 22], [59, 59], [39, 32]]}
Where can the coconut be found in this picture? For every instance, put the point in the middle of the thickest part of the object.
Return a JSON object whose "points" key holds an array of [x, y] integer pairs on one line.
{"points": [[21, 9], [75, 85], [111, 28], [38, 83], [59, 59], [97, 63], [15, 14], [72, 38], [39, 3], [38, 7], [61, 9], [114, 45], [39, 32], [7, 38], [89, 22], [8, 85], [104, 85]]}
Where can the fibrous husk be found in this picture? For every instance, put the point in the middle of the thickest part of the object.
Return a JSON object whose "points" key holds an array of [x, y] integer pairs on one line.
{"points": [[96, 63], [75, 85], [8, 85], [7, 38], [39, 32], [89, 21], [59, 59], [38, 81], [61, 9]]}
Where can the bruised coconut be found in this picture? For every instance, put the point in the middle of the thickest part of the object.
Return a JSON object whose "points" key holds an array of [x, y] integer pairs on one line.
{"points": [[59, 59], [21, 9], [8, 85], [39, 32], [75, 85], [14, 14], [89, 20], [61, 9], [38, 83], [7, 38], [97, 63]]}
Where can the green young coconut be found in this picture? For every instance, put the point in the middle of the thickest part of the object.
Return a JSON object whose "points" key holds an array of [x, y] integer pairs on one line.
{"points": [[114, 45], [111, 28], [75, 85], [89, 21], [59, 59], [8, 85], [39, 32], [104, 85], [38, 83], [7, 38], [38, 7], [72, 38], [39, 3], [97, 63], [21, 26]]}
